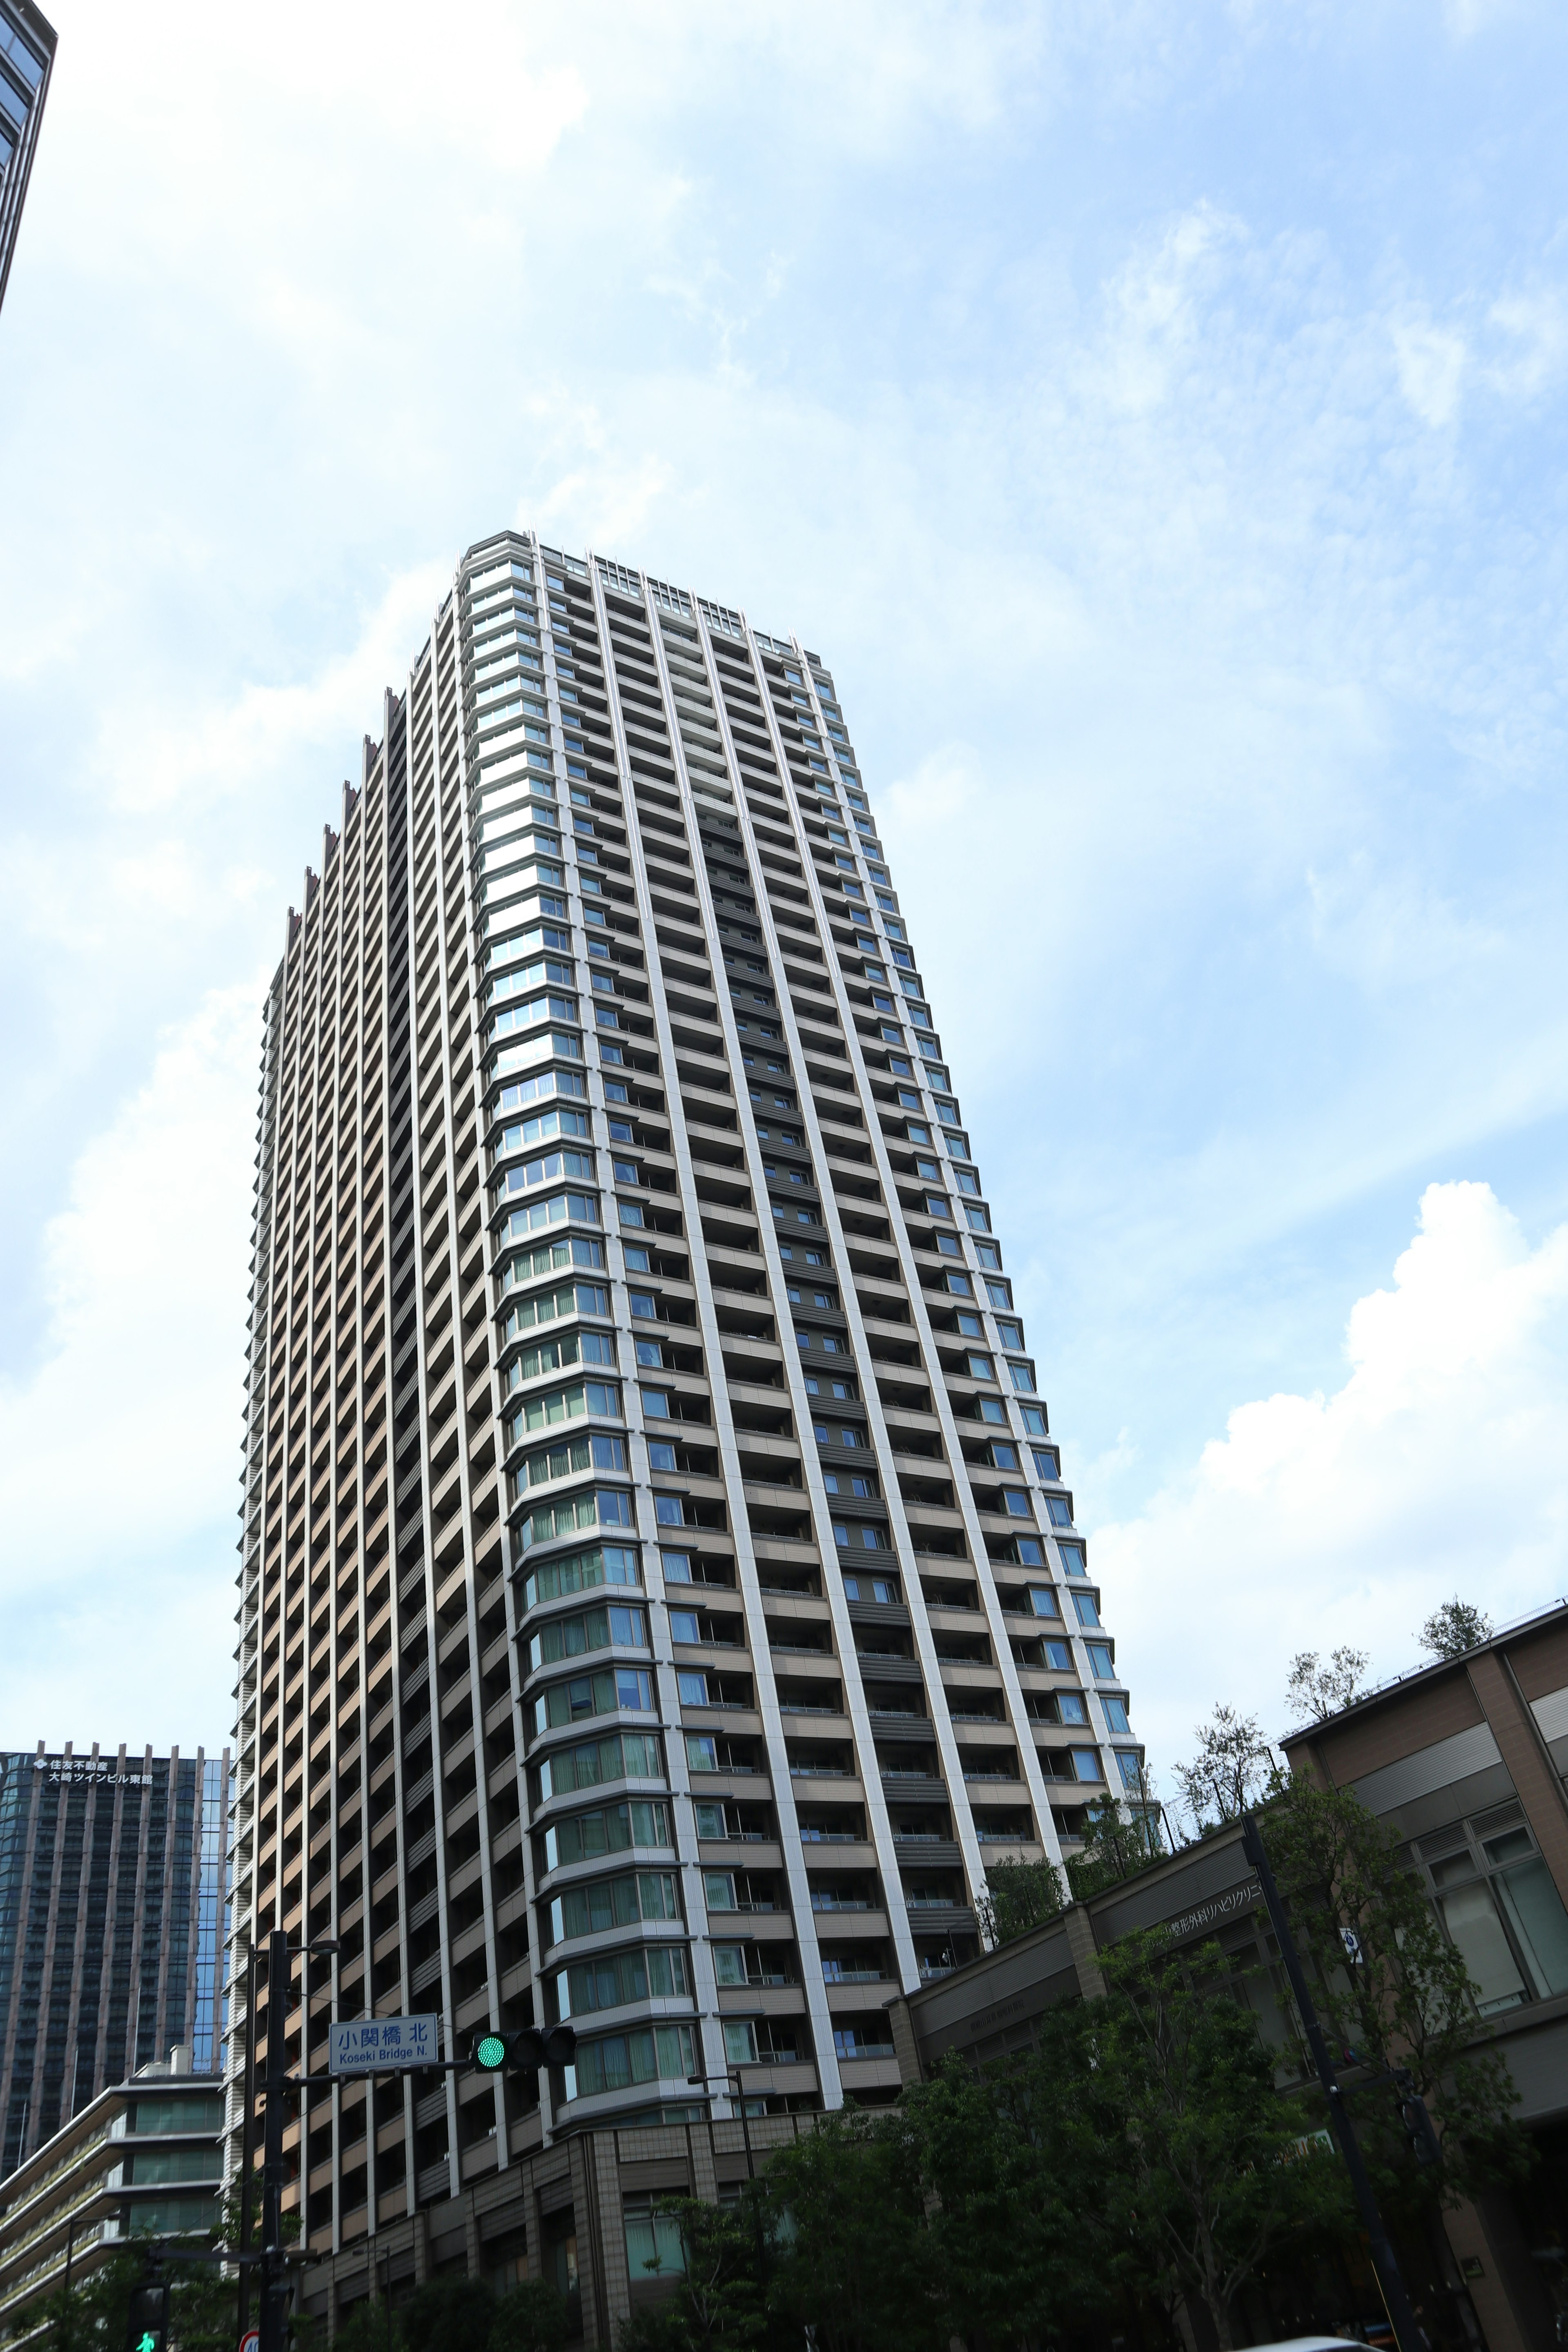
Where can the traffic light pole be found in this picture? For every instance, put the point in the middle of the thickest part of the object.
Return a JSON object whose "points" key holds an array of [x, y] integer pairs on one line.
{"points": [[247, 2135], [1401, 2319], [273, 2276]]}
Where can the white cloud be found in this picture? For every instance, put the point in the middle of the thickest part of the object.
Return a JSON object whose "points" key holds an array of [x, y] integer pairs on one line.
{"points": [[119, 1448], [1437, 1467], [1431, 363]]}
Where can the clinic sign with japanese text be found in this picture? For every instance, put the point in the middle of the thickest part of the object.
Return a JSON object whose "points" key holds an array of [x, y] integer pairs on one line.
{"points": [[369, 2043]]}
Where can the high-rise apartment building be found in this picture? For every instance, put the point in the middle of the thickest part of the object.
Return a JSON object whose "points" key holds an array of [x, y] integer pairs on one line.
{"points": [[111, 1926], [26, 55], [659, 1593]]}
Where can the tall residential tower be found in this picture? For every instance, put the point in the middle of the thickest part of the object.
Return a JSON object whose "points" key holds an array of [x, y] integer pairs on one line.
{"points": [[27, 58], [659, 1593]]}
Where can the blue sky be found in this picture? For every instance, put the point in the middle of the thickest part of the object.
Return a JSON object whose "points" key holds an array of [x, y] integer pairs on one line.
{"points": [[1154, 415]]}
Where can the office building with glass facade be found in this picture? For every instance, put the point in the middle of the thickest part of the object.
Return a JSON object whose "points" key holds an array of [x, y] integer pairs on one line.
{"points": [[661, 1593], [111, 1926]]}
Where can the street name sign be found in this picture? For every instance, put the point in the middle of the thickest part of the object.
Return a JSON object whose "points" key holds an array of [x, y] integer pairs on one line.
{"points": [[369, 2043]]}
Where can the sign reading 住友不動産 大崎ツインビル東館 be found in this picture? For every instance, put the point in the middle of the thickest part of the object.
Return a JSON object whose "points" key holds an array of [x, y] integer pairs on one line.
{"points": [[366, 2043]]}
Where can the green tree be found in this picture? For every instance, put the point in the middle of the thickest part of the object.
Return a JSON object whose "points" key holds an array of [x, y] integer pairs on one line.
{"points": [[1208, 2168], [718, 2303], [1457, 1626], [447, 2315], [1320, 1687], [370, 2326], [1232, 1768], [529, 2317], [1118, 1840], [852, 2254], [1405, 1998], [1013, 2163], [1019, 1896]]}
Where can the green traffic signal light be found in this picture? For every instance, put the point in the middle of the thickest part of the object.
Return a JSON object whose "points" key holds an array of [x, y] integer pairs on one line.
{"points": [[491, 2052]]}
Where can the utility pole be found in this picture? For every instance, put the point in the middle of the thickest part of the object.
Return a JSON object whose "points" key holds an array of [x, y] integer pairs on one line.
{"points": [[1401, 2319]]}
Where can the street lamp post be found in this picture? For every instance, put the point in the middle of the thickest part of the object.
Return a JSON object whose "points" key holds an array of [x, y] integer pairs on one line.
{"points": [[731, 2079]]}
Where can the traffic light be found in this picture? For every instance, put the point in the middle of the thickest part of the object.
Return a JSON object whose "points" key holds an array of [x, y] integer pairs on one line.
{"points": [[524, 2053], [147, 2327]]}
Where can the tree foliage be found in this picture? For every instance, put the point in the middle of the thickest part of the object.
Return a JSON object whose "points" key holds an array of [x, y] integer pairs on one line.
{"points": [[1018, 1896], [95, 2316], [847, 2222], [1118, 1838], [1404, 2000], [718, 2303], [1208, 2168], [1456, 1627], [1320, 1687], [1234, 1767]]}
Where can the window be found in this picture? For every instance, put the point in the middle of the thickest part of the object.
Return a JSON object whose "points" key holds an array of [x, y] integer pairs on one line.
{"points": [[1023, 1378], [1058, 1657], [1016, 1501], [1048, 1462], [1070, 1709], [991, 1409], [1010, 1334], [588, 1695], [1058, 1510], [1072, 1558], [1115, 1712], [685, 1625], [961, 1286], [971, 1325], [693, 1689], [669, 1510], [1043, 1601], [603, 1902], [1129, 1764], [1100, 1664], [594, 1628], [654, 2244], [1000, 1295], [730, 1964], [584, 1837], [1086, 1763], [1088, 1615], [1003, 1456], [740, 2041], [1035, 1422], [1029, 1551], [980, 1367], [1498, 1902], [719, 1890]]}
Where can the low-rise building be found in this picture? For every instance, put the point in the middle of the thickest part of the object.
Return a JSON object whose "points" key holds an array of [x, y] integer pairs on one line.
{"points": [[1465, 1759], [142, 2160]]}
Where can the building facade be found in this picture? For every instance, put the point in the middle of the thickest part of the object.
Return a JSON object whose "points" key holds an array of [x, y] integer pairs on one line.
{"points": [[659, 1591], [142, 2159], [111, 1926], [27, 61], [1465, 1759]]}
